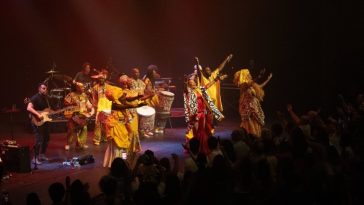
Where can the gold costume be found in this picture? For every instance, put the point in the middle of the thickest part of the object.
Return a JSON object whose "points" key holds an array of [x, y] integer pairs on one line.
{"points": [[251, 94], [213, 90], [103, 108], [120, 127], [149, 88], [77, 121]]}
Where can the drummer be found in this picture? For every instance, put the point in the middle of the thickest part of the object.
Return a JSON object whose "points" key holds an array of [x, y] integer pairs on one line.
{"points": [[83, 77], [136, 83], [149, 80]]}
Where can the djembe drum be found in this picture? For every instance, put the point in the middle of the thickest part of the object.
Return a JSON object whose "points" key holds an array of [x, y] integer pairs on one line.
{"points": [[146, 115], [165, 99]]}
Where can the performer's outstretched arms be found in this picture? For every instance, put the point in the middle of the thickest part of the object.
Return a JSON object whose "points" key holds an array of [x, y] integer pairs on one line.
{"points": [[117, 106], [227, 59], [266, 81]]}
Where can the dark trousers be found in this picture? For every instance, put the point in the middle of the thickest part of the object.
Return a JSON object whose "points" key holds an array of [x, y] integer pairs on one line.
{"points": [[41, 138]]}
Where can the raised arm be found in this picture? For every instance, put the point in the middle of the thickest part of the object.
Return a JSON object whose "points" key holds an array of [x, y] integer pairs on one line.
{"points": [[266, 81], [295, 118], [227, 59]]}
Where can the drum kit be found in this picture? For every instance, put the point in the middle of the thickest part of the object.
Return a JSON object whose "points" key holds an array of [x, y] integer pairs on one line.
{"points": [[59, 86]]}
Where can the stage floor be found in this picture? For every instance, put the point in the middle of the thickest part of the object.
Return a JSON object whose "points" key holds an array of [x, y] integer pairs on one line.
{"points": [[20, 184]]}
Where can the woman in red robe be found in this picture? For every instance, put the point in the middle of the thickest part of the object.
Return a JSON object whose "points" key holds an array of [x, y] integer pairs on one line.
{"points": [[197, 105]]}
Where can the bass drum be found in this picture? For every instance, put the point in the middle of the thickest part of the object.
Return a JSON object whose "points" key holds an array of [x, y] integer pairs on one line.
{"points": [[146, 116]]}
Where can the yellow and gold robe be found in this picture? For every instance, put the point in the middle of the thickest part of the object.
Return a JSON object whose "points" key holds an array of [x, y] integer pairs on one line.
{"points": [[214, 90]]}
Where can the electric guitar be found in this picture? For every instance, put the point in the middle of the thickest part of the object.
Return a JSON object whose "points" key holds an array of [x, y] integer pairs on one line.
{"points": [[80, 118], [47, 115]]}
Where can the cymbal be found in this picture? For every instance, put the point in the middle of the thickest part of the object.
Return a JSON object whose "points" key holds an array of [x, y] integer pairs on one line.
{"points": [[62, 77], [51, 71], [57, 90], [56, 96], [60, 89]]}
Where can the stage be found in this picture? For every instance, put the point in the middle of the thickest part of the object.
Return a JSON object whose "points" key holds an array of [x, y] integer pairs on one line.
{"points": [[20, 184]]}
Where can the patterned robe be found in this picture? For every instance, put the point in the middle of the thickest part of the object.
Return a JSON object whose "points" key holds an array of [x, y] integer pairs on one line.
{"points": [[198, 105], [77, 131], [251, 112]]}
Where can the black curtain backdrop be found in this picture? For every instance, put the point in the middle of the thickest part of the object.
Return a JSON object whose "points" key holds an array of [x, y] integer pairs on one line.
{"points": [[314, 48]]}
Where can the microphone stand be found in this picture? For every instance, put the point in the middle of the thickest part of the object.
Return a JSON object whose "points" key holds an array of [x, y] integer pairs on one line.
{"points": [[35, 158], [199, 72]]}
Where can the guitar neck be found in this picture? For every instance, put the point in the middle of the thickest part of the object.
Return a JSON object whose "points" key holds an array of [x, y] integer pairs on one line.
{"points": [[64, 109]]}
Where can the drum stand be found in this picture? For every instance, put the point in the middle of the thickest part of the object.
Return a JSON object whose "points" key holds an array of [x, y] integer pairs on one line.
{"points": [[161, 121]]}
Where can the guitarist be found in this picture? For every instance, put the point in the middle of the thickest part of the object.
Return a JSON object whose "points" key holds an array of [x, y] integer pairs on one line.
{"points": [[77, 122], [37, 103]]}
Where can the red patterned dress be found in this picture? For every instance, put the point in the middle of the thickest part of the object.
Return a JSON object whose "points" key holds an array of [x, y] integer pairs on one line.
{"points": [[197, 104]]}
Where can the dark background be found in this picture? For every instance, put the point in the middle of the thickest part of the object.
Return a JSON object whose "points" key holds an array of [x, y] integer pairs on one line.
{"points": [[314, 47]]}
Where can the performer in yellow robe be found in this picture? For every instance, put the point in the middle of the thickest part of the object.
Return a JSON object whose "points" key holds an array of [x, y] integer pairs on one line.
{"points": [[206, 76], [251, 94], [120, 126], [134, 96], [102, 106]]}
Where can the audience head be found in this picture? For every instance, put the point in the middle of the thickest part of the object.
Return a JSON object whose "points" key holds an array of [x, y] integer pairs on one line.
{"points": [[119, 168], [238, 135], [276, 129], [33, 199], [212, 143], [147, 158], [108, 185], [194, 145], [201, 161], [56, 192], [164, 162], [228, 146], [79, 194]]}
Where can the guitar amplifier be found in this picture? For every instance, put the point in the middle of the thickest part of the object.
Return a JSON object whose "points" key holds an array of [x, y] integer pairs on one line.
{"points": [[16, 159]]}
